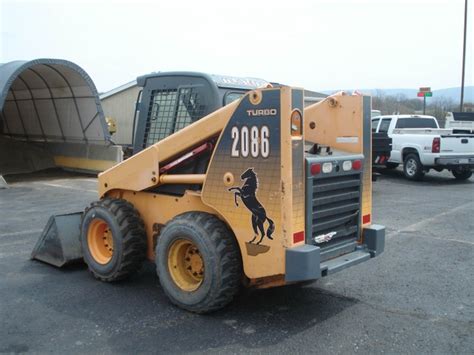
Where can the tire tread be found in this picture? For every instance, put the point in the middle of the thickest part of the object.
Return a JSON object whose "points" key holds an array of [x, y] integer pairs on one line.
{"points": [[133, 236], [230, 260]]}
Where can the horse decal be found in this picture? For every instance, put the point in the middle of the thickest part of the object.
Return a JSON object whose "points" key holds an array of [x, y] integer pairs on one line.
{"points": [[247, 193]]}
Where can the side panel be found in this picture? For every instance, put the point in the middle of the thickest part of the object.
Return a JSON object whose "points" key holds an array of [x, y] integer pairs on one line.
{"points": [[245, 187]]}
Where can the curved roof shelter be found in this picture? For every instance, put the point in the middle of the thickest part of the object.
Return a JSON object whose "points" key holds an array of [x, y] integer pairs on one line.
{"points": [[50, 100], [51, 116]]}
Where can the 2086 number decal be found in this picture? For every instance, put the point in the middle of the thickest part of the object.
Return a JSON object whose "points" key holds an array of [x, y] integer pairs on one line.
{"points": [[253, 141]]}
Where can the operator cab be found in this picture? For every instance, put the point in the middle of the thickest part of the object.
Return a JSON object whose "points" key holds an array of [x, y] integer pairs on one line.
{"points": [[172, 100]]}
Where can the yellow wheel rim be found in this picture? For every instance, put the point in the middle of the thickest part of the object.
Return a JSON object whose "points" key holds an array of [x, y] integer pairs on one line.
{"points": [[100, 241], [186, 265]]}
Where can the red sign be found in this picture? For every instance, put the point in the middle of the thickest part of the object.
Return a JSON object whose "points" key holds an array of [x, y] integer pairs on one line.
{"points": [[424, 94]]}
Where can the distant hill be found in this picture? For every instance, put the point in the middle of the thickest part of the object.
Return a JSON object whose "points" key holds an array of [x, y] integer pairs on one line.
{"points": [[452, 93]]}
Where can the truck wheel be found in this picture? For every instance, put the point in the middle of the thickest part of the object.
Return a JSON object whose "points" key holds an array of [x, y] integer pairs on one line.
{"points": [[461, 174], [391, 165], [113, 239], [412, 167], [198, 262]]}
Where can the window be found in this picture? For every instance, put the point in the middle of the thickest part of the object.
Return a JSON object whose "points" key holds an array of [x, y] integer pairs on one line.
{"points": [[231, 96], [413, 122], [385, 124], [375, 124], [189, 108], [160, 116], [171, 110]]}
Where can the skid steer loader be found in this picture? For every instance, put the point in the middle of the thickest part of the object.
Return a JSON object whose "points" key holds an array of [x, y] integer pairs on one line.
{"points": [[261, 192]]}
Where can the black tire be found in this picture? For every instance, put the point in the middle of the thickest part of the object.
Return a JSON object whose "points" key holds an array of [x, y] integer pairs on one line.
{"points": [[412, 167], [461, 174], [391, 165], [128, 236], [220, 256]]}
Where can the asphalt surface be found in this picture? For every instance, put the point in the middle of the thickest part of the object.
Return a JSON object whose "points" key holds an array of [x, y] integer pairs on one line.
{"points": [[417, 297]]}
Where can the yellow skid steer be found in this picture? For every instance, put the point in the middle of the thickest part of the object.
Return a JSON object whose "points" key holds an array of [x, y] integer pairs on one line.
{"points": [[256, 191]]}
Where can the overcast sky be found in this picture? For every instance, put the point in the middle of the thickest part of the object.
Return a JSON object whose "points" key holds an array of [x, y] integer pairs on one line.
{"points": [[317, 44]]}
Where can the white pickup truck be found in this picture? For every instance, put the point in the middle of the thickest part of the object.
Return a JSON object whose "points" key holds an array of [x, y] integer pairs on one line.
{"points": [[420, 145]]}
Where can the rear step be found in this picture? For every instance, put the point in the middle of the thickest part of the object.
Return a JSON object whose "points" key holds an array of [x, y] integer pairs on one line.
{"points": [[344, 261]]}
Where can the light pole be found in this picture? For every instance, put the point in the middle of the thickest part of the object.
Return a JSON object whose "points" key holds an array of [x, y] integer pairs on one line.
{"points": [[463, 58]]}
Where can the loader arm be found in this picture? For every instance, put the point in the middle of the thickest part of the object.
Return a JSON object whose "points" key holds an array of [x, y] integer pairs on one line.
{"points": [[142, 171]]}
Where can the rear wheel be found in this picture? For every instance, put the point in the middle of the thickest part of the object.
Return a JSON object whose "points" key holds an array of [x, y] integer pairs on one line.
{"points": [[198, 262], [113, 239], [412, 167], [461, 174]]}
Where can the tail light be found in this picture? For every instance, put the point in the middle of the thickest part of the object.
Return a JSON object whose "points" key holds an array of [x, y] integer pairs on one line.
{"points": [[315, 169], [298, 237], [435, 147], [356, 165]]}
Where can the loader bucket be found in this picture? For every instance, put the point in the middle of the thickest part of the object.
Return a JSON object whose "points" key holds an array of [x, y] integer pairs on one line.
{"points": [[3, 183], [59, 243]]}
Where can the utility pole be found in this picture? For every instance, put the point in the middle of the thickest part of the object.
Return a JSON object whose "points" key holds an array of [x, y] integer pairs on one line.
{"points": [[463, 58]]}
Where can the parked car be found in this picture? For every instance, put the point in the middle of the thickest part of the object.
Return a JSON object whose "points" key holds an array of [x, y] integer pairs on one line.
{"points": [[420, 145]]}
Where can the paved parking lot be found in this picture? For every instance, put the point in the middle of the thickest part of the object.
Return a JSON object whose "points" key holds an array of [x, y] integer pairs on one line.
{"points": [[418, 297]]}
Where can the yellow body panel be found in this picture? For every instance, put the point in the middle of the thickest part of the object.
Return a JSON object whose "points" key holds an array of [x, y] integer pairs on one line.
{"points": [[136, 173], [274, 193]]}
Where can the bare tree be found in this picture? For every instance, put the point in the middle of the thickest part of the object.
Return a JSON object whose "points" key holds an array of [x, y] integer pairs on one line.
{"points": [[401, 104]]}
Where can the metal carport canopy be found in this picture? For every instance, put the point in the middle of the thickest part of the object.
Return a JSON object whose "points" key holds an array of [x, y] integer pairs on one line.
{"points": [[50, 100]]}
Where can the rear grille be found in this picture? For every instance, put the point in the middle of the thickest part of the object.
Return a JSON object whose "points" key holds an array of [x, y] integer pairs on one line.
{"points": [[335, 208]]}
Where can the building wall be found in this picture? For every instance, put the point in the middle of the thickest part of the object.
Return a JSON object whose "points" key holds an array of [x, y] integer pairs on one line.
{"points": [[121, 107]]}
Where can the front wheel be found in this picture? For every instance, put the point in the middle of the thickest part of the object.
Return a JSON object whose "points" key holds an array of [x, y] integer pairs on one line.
{"points": [[198, 262], [461, 174], [113, 239], [412, 167]]}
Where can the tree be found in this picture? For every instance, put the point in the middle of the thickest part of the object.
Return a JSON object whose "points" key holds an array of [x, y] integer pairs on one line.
{"points": [[400, 104]]}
